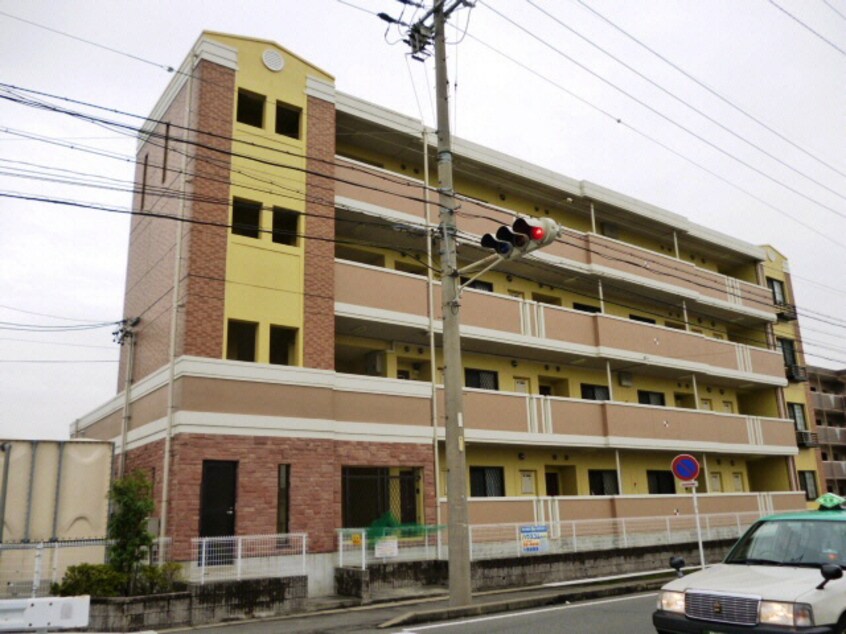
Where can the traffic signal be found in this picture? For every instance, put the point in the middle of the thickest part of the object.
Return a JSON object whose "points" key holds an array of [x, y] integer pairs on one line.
{"points": [[524, 236]]}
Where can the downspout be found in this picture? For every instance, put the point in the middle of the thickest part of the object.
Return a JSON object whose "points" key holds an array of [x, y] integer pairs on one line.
{"points": [[7, 457], [177, 269]]}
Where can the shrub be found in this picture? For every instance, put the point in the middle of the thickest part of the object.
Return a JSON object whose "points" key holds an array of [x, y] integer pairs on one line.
{"points": [[159, 579], [100, 580]]}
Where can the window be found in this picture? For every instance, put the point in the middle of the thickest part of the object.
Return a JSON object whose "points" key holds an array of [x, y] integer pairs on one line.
{"points": [[283, 345], [241, 340], [737, 478], [371, 493], [645, 320], [288, 120], [706, 404], [788, 350], [482, 379], [586, 308], [728, 407], [595, 392], [478, 285], [246, 217], [285, 226], [540, 298], [603, 482], [808, 483], [777, 288], [487, 482], [250, 108], [283, 497], [609, 229], [660, 482], [644, 397], [796, 411]]}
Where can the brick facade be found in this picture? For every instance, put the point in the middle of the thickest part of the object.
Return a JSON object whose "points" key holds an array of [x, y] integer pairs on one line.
{"points": [[319, 300], [315, 495]]}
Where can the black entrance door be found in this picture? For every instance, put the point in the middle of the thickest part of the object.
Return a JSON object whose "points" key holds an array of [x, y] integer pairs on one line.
{"points": [[217, 509], [217, 498]]}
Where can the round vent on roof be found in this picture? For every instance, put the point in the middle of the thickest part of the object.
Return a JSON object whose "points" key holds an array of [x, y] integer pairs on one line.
{"points": [[273, 60]]}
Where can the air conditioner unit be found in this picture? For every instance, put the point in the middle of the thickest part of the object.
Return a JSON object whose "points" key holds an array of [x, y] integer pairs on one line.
{"points": [[624, 379], [786, 312], [797, 372], [806, 439]]}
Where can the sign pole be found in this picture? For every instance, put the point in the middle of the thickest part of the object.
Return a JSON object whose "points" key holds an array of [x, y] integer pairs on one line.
{"points": [[698, 529]]}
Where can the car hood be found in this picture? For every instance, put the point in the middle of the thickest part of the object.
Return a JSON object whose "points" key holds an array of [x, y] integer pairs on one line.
{"points": [[773, 583]]}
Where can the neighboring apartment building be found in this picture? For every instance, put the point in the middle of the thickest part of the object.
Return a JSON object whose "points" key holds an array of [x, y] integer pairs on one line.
{"points": [[827, 399], [301, 395]]}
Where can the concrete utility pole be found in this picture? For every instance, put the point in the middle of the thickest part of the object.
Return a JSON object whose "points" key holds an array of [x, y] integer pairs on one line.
{"points": [[459, 540]]}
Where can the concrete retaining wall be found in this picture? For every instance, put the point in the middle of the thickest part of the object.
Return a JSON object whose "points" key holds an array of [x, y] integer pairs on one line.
{"points": [[515, 572], [200, 605]]}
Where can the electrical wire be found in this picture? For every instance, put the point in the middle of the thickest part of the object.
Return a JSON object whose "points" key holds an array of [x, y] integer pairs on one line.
{"points": [[808, 28]]}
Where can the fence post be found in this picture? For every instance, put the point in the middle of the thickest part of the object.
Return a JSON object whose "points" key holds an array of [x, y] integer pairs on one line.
{"points": [[55, 570], [203, 547], [669, 532], [470, 540], [36, 573], [363, 550], [305, 550], [517, 540], [575, 543], [737, 517], [239, 552], [426, 542], [340, 548], [625, 535]]}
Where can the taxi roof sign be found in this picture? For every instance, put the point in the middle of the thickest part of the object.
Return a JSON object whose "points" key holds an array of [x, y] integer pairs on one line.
{"points": [[830, 501]]}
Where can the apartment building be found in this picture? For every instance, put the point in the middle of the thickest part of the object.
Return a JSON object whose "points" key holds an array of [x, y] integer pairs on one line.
{"points": [[827, 400], [286, 372]]}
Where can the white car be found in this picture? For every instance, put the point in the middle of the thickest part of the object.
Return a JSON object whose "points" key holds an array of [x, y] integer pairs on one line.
{"points": [[784, 575]]}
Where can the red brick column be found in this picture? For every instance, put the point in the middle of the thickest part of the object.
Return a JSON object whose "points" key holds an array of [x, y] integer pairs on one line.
{"points": [[319, 300]]}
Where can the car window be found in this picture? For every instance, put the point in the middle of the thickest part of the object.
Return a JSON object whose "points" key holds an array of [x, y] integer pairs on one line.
{"points": [[792, 542]]}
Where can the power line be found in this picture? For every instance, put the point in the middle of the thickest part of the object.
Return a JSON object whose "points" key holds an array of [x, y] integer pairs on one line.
{"points": [[706, 87], [808, 28], [668, 119]]}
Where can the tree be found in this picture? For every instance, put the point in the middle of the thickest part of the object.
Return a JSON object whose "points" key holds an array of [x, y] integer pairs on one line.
{"points": [[132, 503]]}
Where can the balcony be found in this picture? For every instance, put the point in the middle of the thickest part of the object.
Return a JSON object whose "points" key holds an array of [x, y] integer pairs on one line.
{"points": [[806, 439], [831, 435], [828, 402], [586, 252], [622, 425], [834, 470], [381, 295], [786, 312], [797, 373]]}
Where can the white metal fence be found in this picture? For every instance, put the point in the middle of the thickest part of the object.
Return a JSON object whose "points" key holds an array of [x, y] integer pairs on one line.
{"points": [[29, 569], [491, 541], [358, 546], [247, 557]]}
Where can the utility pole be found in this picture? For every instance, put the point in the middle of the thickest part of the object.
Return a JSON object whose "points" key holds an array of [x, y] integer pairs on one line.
{"points": [[460, 592], [126, 333]]}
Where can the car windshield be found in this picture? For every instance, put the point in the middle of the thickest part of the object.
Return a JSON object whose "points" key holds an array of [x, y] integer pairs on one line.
{"points": [[792, 543]]}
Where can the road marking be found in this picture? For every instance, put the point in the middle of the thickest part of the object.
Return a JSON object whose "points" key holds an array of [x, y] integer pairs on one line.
{"points": [[526, 612]]}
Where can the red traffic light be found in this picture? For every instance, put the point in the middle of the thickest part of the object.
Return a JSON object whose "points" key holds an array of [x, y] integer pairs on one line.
{"points": [[537, 233]]}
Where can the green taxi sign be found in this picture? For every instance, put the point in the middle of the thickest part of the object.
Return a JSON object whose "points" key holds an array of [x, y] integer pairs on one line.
{"points": [[830, 501]]}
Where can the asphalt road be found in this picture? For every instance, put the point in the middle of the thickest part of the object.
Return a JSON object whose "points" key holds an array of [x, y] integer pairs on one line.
{"points": [[628, 614]]}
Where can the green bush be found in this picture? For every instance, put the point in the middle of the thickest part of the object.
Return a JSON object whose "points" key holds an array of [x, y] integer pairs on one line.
{"points": [[100, 580]]}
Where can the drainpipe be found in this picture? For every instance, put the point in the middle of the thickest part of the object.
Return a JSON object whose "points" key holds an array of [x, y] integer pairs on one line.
{"points": [[177, 269], [33, 454], [7, 457]]}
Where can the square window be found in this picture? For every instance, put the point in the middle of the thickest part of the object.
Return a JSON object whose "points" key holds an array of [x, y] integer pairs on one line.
{"points": [[283, 345], [603, 482], [241, 340], [595, 392], [661, 482], [285, 226], [481, 379], [487, 482], [288, 120], [250, 108], [645, 397], [586, 308], [246, 218], [808, 483]]}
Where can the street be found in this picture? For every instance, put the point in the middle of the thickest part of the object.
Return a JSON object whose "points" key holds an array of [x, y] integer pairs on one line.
{"points": [[630, 614]]}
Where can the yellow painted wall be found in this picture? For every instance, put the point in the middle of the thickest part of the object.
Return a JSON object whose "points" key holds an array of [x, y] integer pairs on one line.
{"points": [[265, 279]]}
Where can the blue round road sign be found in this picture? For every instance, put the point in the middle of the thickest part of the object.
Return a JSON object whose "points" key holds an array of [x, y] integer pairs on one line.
{"points": [[685, 467]]}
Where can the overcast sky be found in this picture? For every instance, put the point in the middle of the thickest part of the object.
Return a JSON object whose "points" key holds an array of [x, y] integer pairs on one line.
{"points": [[539, 86]]}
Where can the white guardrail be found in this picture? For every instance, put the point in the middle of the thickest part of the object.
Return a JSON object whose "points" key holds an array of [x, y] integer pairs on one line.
{"points": [[247, 557]]}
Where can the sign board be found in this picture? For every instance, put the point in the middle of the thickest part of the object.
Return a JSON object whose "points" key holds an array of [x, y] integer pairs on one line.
{"points": [[689, 484], [534, 539], [685, 467], [387, 547]]}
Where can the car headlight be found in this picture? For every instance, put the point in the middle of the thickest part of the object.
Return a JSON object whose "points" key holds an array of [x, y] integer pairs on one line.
{"points": [[671, 601], [790, 614]]}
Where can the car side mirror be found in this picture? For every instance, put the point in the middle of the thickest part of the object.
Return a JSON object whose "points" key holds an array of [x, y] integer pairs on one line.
{"points": [[829, 573], [677, 563]]}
